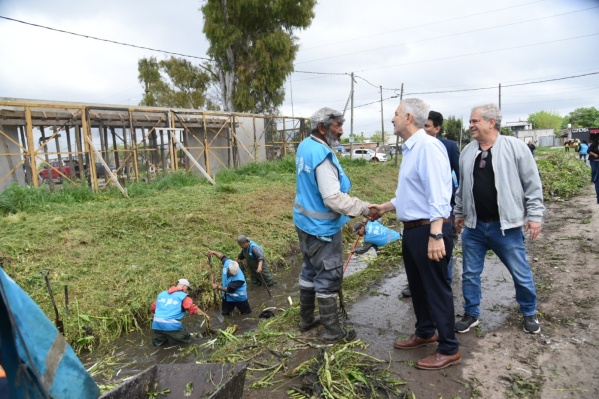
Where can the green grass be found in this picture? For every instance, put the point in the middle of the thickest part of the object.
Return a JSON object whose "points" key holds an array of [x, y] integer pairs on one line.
{"points": [[116, 254]]}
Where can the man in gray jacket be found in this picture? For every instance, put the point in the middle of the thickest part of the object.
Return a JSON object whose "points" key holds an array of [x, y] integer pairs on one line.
{"points": [[500, 197]]}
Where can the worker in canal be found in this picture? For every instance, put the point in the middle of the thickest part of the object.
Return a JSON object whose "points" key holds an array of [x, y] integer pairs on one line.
{"points": [[233, 286], [256, 261], [375, 235], [169, 309]]}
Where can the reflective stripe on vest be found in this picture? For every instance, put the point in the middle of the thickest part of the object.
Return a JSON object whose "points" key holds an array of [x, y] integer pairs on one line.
{"points": [[314, 214]]}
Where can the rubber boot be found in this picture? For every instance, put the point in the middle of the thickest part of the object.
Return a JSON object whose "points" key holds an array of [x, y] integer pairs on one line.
{"points": [[307, 305], [329, 318]]}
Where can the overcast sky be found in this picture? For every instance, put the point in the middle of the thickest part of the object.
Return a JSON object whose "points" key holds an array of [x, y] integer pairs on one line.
{"points": [[428, 46]]}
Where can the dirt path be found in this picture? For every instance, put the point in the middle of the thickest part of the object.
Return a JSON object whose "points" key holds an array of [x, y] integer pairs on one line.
{"points": [[559, 362], [499, 359]]}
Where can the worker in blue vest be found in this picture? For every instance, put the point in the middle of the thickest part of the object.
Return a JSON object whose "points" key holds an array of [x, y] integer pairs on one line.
{"points": [[169, 309], [375, 236], [233, 286], [256, 261]]}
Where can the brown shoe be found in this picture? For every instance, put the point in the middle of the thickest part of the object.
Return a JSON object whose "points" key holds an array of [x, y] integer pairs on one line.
{"points": [[437, 361], [415, 342]]}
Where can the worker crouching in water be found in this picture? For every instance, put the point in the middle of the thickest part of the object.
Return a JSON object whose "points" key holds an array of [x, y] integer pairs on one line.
{"points": [[169, 309], [234, 286]]}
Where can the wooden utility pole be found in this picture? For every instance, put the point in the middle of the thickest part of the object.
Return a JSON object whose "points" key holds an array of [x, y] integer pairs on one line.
{"points": [[351, 133], [397, 136], [499, 95], [382, 120]]}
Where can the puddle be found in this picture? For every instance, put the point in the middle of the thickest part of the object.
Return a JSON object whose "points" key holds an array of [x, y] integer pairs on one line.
{"points": [[379, 317]]}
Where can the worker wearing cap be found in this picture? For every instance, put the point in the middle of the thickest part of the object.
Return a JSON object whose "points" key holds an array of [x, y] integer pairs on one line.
{"points": [[375, 236], [233, 286], [254, 257], [169, 309]]}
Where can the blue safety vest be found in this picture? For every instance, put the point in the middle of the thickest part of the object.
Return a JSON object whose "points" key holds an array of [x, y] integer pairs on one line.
{"points": [[241, 294], [309, 211], [169, 311], [380, 235], [38, 361]]}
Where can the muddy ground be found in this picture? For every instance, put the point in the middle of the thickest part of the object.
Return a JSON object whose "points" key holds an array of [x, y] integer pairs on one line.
{"points": [[499, 359]]}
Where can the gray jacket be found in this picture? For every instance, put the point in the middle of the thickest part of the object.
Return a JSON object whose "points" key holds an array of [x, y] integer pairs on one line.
{"points": [[517, 180]]}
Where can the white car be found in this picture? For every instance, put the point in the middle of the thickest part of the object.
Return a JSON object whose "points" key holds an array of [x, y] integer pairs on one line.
{"points": [[366, 154]]}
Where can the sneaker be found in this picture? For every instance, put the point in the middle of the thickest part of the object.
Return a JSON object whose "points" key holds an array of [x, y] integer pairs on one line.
{"points": [[467, 321], [531, 324]]}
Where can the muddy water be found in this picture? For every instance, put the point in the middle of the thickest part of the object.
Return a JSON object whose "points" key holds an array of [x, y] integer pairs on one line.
{"points": [[379, 317]]}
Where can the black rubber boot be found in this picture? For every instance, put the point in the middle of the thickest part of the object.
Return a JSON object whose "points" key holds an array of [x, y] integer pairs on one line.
{"points": [[307, 305], [334, 330]]}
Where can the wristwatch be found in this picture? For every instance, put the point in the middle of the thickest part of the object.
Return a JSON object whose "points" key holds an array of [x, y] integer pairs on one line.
{"points": [[437, 236]]}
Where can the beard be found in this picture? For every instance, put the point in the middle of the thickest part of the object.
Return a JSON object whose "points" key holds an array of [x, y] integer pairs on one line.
{"points": [[331, 139]]}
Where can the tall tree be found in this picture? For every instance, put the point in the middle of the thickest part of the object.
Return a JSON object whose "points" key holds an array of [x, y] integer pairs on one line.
{"points": [[174, 82], [546, 120], [583, 117], [253, 47], [452, 128]]}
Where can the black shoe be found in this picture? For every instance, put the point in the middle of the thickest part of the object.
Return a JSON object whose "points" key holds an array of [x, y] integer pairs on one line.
{"points": [[466, 323], [406, 292], [531, 324]]}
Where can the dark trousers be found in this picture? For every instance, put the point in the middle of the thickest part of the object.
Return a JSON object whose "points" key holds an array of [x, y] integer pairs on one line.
{"points": [[229, 306], [172, 337], [431, 292]]}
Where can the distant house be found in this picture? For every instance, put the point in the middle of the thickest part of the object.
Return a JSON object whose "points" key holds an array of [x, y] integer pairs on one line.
{"points": [[539, 137], [518, 126]]}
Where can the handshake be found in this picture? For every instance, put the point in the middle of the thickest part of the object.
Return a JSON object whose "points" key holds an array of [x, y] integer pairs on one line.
{"points": [[375, 211]]}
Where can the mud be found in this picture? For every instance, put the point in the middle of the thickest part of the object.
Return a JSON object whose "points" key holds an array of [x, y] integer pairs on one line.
{"points": [[499, 359]]}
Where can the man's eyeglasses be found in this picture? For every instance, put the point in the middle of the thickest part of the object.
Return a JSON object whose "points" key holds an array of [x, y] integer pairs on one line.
{"points": [[483, 158]]}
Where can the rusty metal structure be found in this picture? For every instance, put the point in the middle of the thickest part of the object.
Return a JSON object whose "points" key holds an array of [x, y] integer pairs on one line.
{"points": [[105, 145]]}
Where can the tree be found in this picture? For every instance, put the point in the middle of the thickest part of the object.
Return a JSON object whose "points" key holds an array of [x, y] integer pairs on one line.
{"points": [[253, 48], [546, 120], [377, 137], [173, 82], [452, 128], [583, 117], [506, 131]]}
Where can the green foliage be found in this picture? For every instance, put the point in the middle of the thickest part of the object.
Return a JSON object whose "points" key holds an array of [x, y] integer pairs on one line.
{"points": [[546, 120], [253, 47], [452, 127], [174, 82], [583, 117], [563, 175], [507, 131]]}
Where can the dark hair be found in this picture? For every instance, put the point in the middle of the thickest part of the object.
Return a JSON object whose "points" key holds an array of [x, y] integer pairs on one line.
{"points": [[436, 117]]}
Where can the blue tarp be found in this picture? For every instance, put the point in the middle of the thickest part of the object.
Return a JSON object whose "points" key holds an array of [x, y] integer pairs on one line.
{"points": [[39, 363]]}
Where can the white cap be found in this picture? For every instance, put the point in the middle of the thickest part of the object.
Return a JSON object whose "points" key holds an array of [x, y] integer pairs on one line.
{"points": [[233, 268], [184, 281]]}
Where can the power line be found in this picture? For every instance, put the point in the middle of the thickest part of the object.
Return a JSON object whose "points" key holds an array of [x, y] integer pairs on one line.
{"points": [[105, 40]]}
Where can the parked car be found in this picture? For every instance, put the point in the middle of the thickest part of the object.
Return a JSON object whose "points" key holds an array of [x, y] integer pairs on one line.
{"points": [[366, 154], [55, 169]]}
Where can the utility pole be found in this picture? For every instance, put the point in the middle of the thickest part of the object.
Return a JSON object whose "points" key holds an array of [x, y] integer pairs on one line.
{"points": [[382, 120], [499, 95], [397, 136], [351, 134]]}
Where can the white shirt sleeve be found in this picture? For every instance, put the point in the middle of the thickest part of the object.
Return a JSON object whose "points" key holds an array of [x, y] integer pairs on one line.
{"points": [[327, 177]]}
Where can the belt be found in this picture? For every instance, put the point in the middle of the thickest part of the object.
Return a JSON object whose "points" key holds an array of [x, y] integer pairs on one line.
{"points": [[420, 222]]}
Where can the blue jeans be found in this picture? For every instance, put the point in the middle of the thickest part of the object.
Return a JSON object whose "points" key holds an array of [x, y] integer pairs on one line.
{"points": [[509, 247]]}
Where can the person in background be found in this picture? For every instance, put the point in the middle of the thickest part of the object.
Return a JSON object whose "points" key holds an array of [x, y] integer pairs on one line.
{"points": [[254, 257], [583, 151], [322, 207], [423, 203], [500, 198], [594, 161], [567, 145], [375, 235], [532, 148], [169, 309], [233, 286]]}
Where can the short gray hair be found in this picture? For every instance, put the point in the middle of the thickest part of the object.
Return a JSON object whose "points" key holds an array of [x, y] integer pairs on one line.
{"points": [[418, 108], [490, 111], [326, 116]]}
